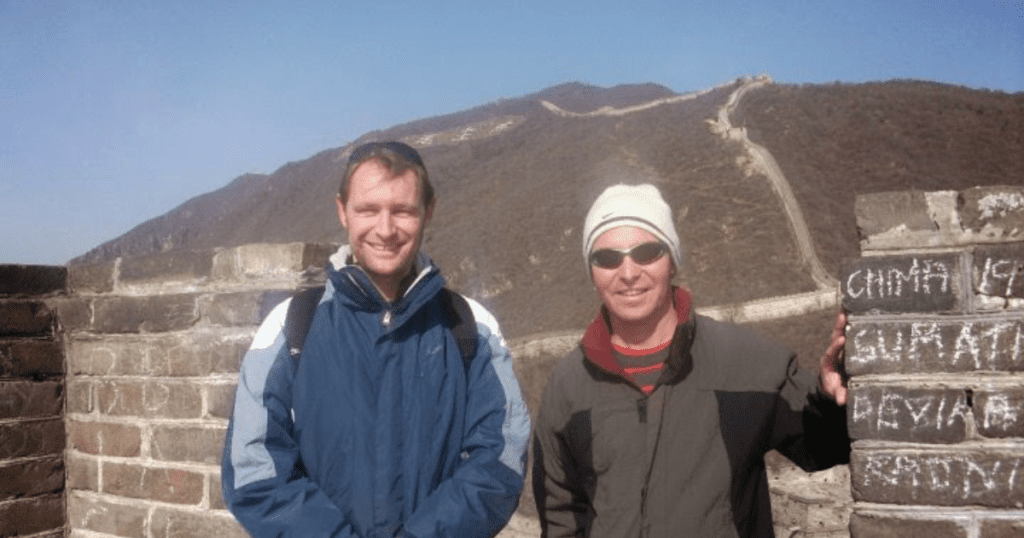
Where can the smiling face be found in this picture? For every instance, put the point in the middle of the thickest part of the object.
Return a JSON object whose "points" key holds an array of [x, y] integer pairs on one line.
{"points": [[385, 220], [637, 295]]}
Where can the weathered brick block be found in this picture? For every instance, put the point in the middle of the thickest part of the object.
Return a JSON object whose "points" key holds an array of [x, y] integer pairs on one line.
{"points": [[1000, 413], [160, 313], [139, 482], [25, 318], [28, 399], [998, 275], [270, 261], [994, 212], [100, 515], [28, 478], [903, 526], [91, 278], [31, 358], [900, 413], [169, 523], [28, 439], [992, 477], [80, 395], [151, 399], [178, 266], [74, 312], [82, 473], [187, 443], [33, 515], [962, 344], [32, 279], [220, 400], [188, 354], [919, 283], [1010, 527], [105, 438], [216, 493], [242, 308]]}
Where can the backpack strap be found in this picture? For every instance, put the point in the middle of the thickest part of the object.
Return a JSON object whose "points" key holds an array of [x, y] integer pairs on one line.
{"points": [[300, 317], [458, 319]]}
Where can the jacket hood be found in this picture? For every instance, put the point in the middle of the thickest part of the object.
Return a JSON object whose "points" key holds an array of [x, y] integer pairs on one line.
{"points": [[597, 340]]}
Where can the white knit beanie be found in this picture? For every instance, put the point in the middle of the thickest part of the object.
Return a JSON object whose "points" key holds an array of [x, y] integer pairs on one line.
{"points": [[631, 205]]}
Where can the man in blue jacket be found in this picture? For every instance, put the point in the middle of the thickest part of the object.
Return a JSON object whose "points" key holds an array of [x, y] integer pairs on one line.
{"points": [[382, 428]]}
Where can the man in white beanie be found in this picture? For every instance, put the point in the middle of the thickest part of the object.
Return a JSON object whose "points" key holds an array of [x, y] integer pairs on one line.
{"points": [[658, 423]]}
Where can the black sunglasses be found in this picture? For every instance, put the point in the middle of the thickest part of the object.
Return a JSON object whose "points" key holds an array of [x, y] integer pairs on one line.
{"points": [[643, 254]]}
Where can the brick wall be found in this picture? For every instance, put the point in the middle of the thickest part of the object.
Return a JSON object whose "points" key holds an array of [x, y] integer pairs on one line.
{"points": [[935, 351], [31, 403], [154, 346]]}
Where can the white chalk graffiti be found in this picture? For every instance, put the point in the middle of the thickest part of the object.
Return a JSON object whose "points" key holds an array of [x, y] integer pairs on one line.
{"points": [[963, 476], [983, 345], [922, 277], [883, 410], [1000, 276], [1001, 412]]}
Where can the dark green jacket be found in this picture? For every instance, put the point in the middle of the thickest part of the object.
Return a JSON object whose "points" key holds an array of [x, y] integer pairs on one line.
{"points": [[688, 460]]}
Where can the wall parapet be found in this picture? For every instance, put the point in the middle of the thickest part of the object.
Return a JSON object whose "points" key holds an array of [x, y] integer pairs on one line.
{"points": [[935, 355], [154, 347], [32, 392]]}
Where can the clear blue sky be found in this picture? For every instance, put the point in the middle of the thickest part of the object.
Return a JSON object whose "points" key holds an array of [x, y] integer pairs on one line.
{"points": [[115, 112]]}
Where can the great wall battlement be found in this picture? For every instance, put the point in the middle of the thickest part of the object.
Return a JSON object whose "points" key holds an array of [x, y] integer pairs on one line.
{"points": [[116, 382]]}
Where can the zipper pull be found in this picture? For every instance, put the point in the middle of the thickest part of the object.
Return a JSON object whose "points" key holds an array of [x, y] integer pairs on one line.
{"points": [[386, 320], [641, 410]]}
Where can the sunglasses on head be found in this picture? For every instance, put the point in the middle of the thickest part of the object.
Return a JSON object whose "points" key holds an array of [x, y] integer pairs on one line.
{"points": [[643, 254]]}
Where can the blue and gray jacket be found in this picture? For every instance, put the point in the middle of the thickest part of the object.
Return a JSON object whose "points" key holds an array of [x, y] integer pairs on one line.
{"points": [[380, 429]]}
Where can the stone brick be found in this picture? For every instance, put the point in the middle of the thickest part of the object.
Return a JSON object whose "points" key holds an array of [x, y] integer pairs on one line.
{"points": [[91, 278], [100, 515], [900, 413], [31, 358], [32, 515], [159, 313], [138, 482], [955, 344], [178, 266], [187, 443], [25, 318], [998, 274], [190, 354], [991, 477], [994, 212], [105, 438], [881, 212], [111, 356], [169, 523], [1000, 413], [74, 313], [82, 473], [216, 493], [28, 439], [32, 279], [903, 526], [220, 400], [272, 261], [242, 308], [151, 398], [29, 478], [80, 396], [28, 399], [919, 283], [1003, 528]]}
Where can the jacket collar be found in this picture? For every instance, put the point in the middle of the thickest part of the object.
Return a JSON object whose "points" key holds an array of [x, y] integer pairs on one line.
{"points": [[597, 342], [357, 291]]}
